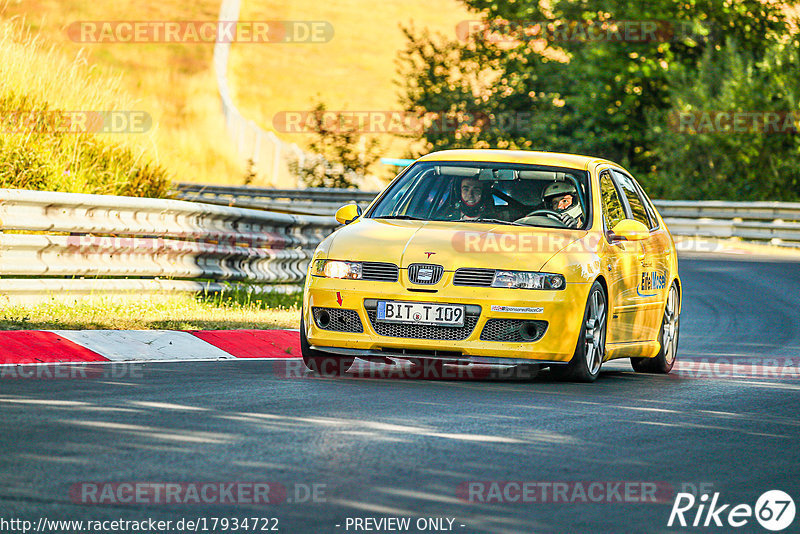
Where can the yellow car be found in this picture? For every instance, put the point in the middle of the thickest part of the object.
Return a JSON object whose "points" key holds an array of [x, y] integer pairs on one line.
{"points": [[497, 257]]}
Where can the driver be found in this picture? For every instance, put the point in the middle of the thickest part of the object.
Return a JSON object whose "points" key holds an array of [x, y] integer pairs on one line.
{"points": [[561, 197], [472, 199]]}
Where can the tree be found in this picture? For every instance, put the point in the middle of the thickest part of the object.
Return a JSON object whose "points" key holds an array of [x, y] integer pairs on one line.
{"points": [[598, 97], [732, 130], [341, 154]]}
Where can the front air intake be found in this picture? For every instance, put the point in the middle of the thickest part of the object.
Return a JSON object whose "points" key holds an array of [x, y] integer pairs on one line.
{"points": [[337, 320], [513, 330]]}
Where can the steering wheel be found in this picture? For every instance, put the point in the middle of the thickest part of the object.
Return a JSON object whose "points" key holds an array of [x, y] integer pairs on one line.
{"points": [[548, 213]]}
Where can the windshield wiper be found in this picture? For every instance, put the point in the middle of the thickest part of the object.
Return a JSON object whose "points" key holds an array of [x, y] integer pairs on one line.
{"points": [[402, 217], [492, 221]]}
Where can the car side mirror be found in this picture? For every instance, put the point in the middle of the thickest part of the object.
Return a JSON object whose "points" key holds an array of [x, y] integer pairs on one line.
{"points": [[629, 230], [348, 213]]}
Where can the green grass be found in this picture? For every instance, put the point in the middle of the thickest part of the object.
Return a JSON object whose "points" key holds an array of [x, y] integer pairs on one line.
{"points": [[45, 161], [239, 295], [216, 311]]}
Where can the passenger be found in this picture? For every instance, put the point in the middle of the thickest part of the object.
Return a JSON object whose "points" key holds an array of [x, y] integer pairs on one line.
{"points": [[561, 197]]}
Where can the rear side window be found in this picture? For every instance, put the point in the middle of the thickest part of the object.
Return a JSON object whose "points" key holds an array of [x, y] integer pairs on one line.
{"points": [[635, 201], [612, 205]]}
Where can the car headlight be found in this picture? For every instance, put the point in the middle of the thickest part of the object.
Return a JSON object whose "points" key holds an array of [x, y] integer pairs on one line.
{"points": [[337, 269], [528, 280]]}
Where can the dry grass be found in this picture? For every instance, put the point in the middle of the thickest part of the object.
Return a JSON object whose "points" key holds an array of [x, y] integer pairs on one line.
{"points": [[174, 83], [39, 83], [355, 71]]}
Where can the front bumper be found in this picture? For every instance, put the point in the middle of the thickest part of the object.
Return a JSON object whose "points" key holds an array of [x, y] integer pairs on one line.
{"points": [[562, 310]]}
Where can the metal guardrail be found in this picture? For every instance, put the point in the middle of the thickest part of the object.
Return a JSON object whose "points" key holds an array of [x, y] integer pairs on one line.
{"points": [[74, 242], [774, 222], [301, 201], [54, 243]]}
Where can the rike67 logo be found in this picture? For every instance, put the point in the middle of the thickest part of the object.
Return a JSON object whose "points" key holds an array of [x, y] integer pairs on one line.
{"points": [[774, 510]]}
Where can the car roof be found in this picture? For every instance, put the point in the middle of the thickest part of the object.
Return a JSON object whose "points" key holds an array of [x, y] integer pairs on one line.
{"points": [[553, 159]]}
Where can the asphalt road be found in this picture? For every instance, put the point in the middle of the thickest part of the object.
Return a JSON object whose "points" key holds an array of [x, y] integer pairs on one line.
{"points": [[408, 448]]}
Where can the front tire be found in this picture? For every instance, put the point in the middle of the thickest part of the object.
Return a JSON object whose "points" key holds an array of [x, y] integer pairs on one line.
{"points": [[591, 348], [668, 336], [321, 362]]}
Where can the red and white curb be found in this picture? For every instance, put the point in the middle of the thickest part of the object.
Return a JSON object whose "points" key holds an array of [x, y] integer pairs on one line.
{"points": [[25, 347]]}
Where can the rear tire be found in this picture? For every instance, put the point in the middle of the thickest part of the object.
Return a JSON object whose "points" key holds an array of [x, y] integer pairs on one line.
{"points": [[591, 348], [321, 362], [668, 336]]}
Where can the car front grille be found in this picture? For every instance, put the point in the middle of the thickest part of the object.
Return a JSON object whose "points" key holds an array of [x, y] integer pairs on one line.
{"points": [[379, 272], [473, 277], [337, 320], [434, 273], [513, 330], [414, 331]]}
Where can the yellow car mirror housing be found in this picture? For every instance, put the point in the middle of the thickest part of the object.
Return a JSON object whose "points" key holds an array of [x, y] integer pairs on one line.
{"points": [[348, 213], [630, 230]]}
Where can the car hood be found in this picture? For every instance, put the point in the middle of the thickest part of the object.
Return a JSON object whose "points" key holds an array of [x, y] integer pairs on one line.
{"points": [[452, 245]]}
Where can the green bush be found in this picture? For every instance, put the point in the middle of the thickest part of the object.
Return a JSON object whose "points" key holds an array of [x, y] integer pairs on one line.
{"points": [[744, 162], [612, 98], [39, 85], [341, 155]]}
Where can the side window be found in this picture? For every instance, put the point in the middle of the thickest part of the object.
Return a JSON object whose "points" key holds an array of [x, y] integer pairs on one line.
{"points": [[651, 211], [612, 206], [635, 201]]}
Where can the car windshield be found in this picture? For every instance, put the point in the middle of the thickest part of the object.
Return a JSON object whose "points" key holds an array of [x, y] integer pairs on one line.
{"points": [[491, 193]]}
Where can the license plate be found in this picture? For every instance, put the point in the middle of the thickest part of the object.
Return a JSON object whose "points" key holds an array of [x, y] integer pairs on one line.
{"points": [[421, 313]]}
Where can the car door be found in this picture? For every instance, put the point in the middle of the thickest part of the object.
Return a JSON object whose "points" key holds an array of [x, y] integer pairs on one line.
{"points": [[621, 269], [652, 265]]}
